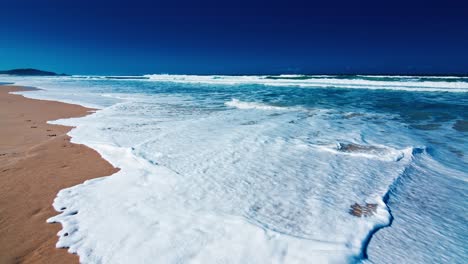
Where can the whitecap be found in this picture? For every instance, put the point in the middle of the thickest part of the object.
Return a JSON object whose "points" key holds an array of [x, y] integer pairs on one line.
{"points": [[252, 105]]}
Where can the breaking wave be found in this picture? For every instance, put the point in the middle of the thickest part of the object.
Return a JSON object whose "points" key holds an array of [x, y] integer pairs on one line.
{"points": [[252, 105], [417, 84]]}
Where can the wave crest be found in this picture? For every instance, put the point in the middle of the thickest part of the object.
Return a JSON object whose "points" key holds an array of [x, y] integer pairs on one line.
{"points": [[252, 105]]}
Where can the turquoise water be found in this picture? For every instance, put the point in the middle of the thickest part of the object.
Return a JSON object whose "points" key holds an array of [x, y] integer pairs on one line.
{"points": [[213, 166]]}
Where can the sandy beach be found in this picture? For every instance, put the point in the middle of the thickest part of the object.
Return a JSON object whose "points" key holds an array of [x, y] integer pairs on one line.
{"points": [[36, 161]]}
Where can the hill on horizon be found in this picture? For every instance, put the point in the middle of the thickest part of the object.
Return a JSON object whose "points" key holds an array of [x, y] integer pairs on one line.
{"points": [[30, 72]]}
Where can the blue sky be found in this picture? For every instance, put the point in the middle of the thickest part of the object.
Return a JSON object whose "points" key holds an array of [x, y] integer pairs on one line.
{"points": [[235, 37]]}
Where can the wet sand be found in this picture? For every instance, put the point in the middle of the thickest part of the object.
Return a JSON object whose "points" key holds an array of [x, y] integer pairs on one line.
{"points": [[36, 161]]}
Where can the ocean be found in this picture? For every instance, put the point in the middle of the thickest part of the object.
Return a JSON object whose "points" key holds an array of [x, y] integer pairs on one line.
{"points": [[267, 169]]}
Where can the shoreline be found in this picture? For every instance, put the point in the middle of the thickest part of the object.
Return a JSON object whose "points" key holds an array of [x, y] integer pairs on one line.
{"points": [[37, 160]]}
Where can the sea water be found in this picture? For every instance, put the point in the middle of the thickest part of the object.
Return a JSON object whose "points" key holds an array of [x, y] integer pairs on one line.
{"points": [[267, 169]]}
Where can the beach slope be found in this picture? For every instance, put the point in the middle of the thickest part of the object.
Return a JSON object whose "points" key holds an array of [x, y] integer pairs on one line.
{"points": [[37, 160]]}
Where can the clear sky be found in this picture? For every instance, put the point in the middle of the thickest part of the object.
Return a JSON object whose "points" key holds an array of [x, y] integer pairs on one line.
{"points": [[235, 37]]}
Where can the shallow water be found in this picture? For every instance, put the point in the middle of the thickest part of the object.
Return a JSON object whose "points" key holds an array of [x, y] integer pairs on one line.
{"points": [[255, 169]]}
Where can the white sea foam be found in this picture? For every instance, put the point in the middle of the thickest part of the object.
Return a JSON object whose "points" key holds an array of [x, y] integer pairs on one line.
{"points": [[210, 189]]}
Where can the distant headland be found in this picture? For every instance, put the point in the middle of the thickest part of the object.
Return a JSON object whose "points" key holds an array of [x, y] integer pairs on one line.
{"points": [[31, 72]]}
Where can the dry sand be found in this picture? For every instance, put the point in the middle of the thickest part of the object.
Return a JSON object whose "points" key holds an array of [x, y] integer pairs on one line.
{"points": [[36, 161]]}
